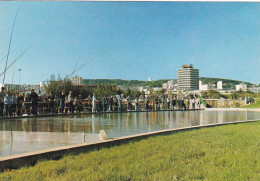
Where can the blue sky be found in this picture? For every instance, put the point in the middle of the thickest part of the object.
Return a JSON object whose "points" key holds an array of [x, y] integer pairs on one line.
{"points": [[131, 40]]}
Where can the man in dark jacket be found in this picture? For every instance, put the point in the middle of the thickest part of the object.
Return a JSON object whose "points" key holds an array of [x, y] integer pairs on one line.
{"points": [[34, 100], [51, 102], [20, 100], [62, 101]]}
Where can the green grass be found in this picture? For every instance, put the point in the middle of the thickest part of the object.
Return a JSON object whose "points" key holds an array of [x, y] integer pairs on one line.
{"points": [[254, 105], [230, 152]]}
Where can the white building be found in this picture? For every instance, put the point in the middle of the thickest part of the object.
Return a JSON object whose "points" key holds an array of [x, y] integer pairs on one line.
{"points": [[165, 86], [145, 89], [173, 87], [219, 85], [169, 85], [149, 79], [76, 80], [203, 86], [170, 82], [241, 86], [157, 89]]}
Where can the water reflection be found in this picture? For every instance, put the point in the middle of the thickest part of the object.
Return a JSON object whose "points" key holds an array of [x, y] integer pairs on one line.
{"points": [[29, 134]]}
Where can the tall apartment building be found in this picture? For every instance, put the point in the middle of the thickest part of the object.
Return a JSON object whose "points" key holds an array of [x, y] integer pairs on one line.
{"points": [[76, 80], [188, 78]]}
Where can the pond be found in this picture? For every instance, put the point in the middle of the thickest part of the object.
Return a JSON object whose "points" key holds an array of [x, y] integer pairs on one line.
{"points": [[37, 133]]}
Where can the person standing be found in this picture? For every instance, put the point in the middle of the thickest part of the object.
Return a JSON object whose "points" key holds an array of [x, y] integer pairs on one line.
{"points": [[104, 101], [114, 103], [162, 102], [7, 104], [14, 104], [62, 101], [168, 102], [199, 103], [129, 105], [110, 103], [71, 100], [80, 104], [34, 102], [146, 103], [158, 103], [171, 103], [188, 103], [193, 103], [2, 99], [20, 100], [89, 103], [136, 104], [183, 104], [51, 98], [94, 104], [27, 103], [75, 104], [119, 103]]}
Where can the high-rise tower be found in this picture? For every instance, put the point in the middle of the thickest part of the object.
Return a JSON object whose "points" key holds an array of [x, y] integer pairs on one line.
{"points": [[188, 78]]}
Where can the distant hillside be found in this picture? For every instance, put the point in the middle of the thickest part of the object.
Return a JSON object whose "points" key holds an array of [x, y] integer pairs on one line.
{"points": [[157, 83], [227, 83]]}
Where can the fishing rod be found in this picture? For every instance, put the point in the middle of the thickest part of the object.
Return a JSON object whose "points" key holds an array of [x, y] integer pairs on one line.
{"points": [[15, 61], [11, 37], [75, 71], [60, 82], [76, 64], [6, 55], [13, 74], [69, 74]]}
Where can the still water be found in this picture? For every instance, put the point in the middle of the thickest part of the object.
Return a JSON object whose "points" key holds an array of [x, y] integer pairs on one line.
{"points": [[32, 134]]}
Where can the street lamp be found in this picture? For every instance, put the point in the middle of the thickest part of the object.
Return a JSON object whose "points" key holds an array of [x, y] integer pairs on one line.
{"points": [[19, 77]]}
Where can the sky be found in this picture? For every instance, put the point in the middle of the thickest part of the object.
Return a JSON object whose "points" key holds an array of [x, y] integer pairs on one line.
{"points": [[130, 40]]}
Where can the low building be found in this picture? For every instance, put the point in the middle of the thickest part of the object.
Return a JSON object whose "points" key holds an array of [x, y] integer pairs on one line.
{"points": [[23, 88], [145, 90], [255, 89], [203, 86], [76, 80], [170, 85], [20, 88], [165, 86], [157, 89], [173, 87], [241, 86]]}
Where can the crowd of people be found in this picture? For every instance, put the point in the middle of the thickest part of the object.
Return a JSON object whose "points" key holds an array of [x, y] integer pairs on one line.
{"points": [[34, 104]]}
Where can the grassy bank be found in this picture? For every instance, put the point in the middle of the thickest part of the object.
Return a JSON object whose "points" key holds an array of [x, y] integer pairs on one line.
{"points": [[254, 105], [230, 152]]}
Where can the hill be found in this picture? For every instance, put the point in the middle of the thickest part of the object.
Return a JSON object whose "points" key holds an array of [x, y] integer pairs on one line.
{"points": [[227, 83], [157, 83]]}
